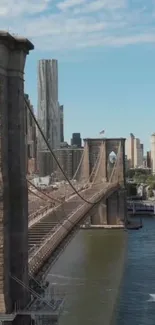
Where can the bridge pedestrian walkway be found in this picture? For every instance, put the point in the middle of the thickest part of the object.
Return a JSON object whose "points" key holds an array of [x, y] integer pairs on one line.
{"points": [[50, 230], [48, 224]]}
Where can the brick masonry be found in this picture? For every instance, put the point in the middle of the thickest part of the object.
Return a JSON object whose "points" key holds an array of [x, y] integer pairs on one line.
{"points": [[13, 185]]}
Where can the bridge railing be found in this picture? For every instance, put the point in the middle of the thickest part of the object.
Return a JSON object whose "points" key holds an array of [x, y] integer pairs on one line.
{"points": [[39, 212], [42, 253]]}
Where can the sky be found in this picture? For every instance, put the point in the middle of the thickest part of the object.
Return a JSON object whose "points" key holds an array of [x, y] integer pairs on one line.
{"points": [[106, 60]]}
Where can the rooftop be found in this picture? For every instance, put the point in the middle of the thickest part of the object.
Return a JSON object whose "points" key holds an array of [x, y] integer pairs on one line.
{"points": [[16, 40]]}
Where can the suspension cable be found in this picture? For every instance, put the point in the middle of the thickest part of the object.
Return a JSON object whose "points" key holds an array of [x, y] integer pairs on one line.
{"points": [[45, 194], [59, 220], [79, 165], [63, 210], [35, 194], [54, 156]]}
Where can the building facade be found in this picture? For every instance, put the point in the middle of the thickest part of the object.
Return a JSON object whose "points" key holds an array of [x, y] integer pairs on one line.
{"points": [[76, 140], [129, 148], [31, 138], [61, 123], [48, 105], [134, 152], [69, 159], [148, 159], [153, 153], [138, 153]]}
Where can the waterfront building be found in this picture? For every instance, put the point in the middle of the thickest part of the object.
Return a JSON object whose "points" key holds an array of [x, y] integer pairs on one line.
{"points": [[148, 159], [129, 148], [153, 153], [138, 153], [134, 152]]}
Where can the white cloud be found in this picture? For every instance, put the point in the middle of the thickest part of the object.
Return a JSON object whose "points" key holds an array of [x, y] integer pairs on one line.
{"points": [[97, 5], [9, 8], [69, 4], [58, 25], [69, 24]]}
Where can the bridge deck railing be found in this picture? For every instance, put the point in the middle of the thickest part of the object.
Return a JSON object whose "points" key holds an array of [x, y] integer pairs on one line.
{"points": [[39, 257]]}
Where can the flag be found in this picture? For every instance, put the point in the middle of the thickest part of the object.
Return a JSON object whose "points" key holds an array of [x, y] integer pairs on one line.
{"points": [[102, 132]]}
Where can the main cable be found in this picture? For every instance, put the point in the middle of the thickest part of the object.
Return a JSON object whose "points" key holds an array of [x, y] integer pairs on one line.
{"points": [[45, 194], [59, 221], [61, 202], [54, 156]]}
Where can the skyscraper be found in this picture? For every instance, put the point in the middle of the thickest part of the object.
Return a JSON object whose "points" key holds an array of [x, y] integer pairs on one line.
{"points": [[148, 159], [76, 140], [129, 146], [48, 106], [61, 123], [138, 153], [134, 152]]}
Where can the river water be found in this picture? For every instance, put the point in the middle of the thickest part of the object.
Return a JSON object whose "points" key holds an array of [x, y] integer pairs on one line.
{"points": [[107, 277]]}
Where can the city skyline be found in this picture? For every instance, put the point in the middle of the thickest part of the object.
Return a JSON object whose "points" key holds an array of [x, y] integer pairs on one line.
{"points": [[106, 54], [43, 249], [134, 152]]}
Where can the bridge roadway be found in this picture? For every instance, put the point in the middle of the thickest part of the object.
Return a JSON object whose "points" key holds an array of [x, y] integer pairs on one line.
{"points": [[46, 234], [36, 203], [45, 225]]}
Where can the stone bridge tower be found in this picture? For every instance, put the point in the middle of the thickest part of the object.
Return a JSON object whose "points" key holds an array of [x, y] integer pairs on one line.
{"points": [[112, 210], [104, 147], [13, 185]]}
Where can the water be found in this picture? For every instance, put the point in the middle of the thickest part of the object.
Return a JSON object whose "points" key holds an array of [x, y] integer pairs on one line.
{"points": [[90, 272], [138, 281]]}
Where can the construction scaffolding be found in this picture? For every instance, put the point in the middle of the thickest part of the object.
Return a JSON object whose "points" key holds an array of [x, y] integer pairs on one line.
{"points": [[44, 307]]}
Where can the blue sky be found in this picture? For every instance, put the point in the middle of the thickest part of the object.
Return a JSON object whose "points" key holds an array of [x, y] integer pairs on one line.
{"points": [[106, 54]]}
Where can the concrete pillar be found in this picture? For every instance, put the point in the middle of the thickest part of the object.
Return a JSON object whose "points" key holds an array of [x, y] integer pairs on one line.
{"points": [[113, 209], [14, 196], [100, 216], [122, 206]]}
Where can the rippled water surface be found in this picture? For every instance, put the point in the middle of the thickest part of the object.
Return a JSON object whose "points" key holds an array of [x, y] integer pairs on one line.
{"points": [[89, 272], [138, 282], [98, 292]]}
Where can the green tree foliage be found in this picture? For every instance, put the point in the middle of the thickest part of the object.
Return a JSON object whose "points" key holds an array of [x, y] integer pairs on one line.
{"points": [[151, 182], [142, 176], [130, 173]]}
